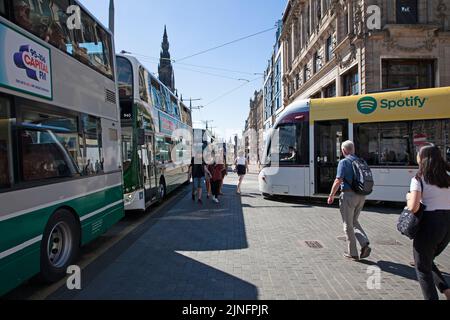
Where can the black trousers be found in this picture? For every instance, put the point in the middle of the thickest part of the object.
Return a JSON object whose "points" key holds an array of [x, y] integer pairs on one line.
{"points": [[432, 239], [215, 187]]}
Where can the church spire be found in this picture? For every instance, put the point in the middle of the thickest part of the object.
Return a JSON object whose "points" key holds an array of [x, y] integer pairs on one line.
{"points": [[165, 69]]}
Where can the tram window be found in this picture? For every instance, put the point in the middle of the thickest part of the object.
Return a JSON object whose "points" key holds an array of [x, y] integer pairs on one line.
{"points": [[293, 144], [397, 143], [435, 132], [93, 160], [385, 144], [6, 162], [46, 20]]}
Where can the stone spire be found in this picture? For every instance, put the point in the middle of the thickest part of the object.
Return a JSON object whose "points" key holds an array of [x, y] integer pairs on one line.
{"points": [[165, 68]]}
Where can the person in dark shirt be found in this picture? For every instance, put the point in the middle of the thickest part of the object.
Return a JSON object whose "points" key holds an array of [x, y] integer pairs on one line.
{"points": [[198, 170]]}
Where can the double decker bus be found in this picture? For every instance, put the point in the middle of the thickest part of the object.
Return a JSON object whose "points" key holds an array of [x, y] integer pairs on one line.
{"points": [[304, 149], [60, 168], [156, 136]]}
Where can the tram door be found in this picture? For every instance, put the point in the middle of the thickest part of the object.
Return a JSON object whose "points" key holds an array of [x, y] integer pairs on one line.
{"points": [[329, 136], [151, 187]]}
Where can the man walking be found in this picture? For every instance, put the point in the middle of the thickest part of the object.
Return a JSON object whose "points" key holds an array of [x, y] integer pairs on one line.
{"points": [[198, 171], [351, 204]]}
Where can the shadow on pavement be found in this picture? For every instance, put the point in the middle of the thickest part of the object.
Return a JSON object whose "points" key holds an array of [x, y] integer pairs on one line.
{"points": [[398, 269], [162, 258]]}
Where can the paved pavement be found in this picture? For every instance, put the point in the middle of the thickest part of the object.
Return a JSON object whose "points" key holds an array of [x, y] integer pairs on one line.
{"points": [[251, 248]]}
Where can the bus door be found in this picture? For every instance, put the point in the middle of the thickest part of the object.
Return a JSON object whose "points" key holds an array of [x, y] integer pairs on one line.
{"points": [[329, 136], [151, 186]]}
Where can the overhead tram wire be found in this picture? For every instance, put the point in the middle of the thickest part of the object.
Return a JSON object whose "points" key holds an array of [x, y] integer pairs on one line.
{"points": [[201, 72], [225, 44], [231, 91], [216, 47], [196, 65]]}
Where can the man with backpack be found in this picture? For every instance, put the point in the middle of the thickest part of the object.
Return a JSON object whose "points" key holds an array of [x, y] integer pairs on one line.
{"points": [[355, 181]]}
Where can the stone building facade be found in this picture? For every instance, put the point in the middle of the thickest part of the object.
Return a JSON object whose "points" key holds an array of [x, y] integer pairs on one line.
{"points": [[254, 129], [335, 47], [273, 88]]}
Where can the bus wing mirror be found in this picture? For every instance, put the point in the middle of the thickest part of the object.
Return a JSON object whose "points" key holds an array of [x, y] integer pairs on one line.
{"points": [[141, 137]]}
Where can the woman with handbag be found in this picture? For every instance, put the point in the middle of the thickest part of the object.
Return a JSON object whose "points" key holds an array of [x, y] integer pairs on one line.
{"points": [[431, 188]]}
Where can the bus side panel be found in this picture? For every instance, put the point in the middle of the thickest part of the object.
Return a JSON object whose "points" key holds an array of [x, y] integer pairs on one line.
{"points": [[391, 184], [19, 267]]}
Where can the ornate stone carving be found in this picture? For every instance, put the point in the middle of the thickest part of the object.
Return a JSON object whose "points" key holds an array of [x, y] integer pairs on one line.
{"points": [[441, 12], [428, 44], [347, 62]]}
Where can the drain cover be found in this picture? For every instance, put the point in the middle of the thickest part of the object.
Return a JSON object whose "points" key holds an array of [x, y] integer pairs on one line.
{"points": [[314, 244]]}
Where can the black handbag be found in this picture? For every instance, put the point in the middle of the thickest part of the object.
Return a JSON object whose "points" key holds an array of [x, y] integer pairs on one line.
{"points": [[409, 223]]}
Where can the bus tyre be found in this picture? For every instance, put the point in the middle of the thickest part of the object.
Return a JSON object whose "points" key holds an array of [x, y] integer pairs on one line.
{"points": [[60, 245]]}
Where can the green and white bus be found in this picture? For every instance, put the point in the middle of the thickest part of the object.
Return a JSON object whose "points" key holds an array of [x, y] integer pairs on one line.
{"points": [[60, 162], [156, 136]]}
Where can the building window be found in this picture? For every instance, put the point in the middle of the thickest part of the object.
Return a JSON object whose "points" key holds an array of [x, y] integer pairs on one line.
{"points": [[351, 83], [329, 49], [317, 95], [410, 74], [305, 74], [407, 12], [330, 91], [317, 62]]}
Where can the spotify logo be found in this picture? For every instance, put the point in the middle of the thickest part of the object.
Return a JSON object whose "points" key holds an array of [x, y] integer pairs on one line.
{"points": [[367, 105]]}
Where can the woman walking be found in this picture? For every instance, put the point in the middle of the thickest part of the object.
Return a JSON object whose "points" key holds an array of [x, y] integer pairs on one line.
{"points": [[241, 168], [216, 170], [431, 186]]}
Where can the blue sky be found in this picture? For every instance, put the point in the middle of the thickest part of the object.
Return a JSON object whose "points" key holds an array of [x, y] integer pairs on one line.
{"points": [[193, 26]]}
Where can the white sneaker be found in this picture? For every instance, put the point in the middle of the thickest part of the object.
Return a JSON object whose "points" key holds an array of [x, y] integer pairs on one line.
{"points": [[216, 200]]}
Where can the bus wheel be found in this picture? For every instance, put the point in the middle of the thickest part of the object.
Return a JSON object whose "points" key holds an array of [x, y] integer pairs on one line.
{"points": [[60, 245], [162, 190]]}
